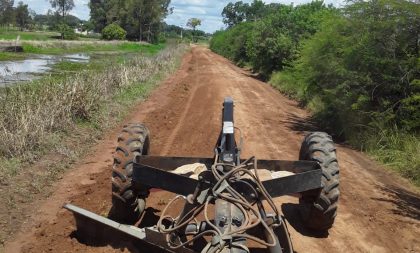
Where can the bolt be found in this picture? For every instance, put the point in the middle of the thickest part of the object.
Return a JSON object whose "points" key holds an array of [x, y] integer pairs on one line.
{"points": [[236, 221], [222, 221]]}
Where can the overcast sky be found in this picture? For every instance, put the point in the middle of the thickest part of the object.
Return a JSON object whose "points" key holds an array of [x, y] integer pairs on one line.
{"points": [[209, 11]]}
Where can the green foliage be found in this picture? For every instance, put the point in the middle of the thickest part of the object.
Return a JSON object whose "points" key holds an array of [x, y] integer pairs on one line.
{"points": [[272, 42], [364, 67], [357, 69], [67, 33], [235, 13], [397, 149], [86, 47], [113, 32], [7, 13], [232, 43], [22, 15], [140, 18], [62, 6]]}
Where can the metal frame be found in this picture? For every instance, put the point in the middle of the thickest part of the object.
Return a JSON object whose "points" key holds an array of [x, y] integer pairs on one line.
{"points": [[154, 172]]}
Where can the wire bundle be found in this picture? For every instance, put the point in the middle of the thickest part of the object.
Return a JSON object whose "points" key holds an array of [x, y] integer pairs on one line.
{"points": [[223, 189]]}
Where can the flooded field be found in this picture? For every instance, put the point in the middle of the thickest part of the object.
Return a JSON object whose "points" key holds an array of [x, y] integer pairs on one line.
{"points": [[12, 72]]}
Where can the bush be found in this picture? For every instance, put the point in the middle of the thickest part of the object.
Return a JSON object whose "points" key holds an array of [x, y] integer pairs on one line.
{"points": [[113, 32], [359, 75], [271, 43], [231, 43], [67, 33]]}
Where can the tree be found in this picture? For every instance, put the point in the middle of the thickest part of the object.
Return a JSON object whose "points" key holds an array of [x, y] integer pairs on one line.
{"points": [[142, 19], [234, 13], [193, 23], [6, 12], [256, 10], [22, 15], [62, 7], [98, 14]]}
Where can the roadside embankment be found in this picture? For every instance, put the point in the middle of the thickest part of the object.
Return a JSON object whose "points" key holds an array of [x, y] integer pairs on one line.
{"points": [[47, 125]]}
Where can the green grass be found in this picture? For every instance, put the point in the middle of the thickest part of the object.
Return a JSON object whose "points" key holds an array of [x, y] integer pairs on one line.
{"points": [[13, 34], [7, 56], [397, 149], [87, 48], [70, 66], [111, 48]]}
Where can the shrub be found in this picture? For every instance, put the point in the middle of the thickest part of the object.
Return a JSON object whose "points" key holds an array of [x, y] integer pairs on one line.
{"points": [[271, 43], [113, 32], [67, 32]]}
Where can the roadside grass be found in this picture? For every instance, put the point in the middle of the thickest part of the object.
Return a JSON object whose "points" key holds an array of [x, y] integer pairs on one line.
{"points": [[49, 124], [26, 117], [397, 149]]}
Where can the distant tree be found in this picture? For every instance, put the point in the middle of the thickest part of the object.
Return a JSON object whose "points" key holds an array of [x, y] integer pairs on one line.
{"points": [[22, 15], [7, 12], [193, 23], [235, 13], [62, 7], [87, 26], [142, 19], [256, 10], [98, 14]]}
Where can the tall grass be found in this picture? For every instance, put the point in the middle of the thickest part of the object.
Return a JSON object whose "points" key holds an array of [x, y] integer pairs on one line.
{"points": [[31, 113], [392, 146], [397, 149]]}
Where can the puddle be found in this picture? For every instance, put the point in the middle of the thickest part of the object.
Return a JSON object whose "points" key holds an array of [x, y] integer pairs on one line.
{"points": [[26, 70]]}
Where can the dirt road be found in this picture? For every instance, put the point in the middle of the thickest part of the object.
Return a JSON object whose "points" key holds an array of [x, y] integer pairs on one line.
{"points": [[376, 213]]}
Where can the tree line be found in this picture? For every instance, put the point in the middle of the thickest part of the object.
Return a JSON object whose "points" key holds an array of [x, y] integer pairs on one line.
{"points": [[357, 68], [20, 15], [141, 19], [25, 18]]}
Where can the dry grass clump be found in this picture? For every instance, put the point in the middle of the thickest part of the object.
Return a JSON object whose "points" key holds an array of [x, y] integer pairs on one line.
{"points": [[31, 113]]}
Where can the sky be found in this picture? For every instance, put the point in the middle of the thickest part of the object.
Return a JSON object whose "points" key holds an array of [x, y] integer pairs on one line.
{"points": [[209, 11]]}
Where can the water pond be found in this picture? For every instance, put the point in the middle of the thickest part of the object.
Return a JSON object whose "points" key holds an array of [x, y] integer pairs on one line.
{"points": [[12, 72]]}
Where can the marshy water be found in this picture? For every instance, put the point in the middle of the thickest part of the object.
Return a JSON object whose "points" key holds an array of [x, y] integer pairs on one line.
{"points": [[12, 72]]}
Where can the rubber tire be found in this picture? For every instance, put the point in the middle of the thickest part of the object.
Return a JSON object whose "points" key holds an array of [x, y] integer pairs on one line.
{"points": [[133, 141], [319, 210]]}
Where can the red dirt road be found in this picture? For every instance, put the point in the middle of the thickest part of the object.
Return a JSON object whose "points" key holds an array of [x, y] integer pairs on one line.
{"points": [[376, 212]]}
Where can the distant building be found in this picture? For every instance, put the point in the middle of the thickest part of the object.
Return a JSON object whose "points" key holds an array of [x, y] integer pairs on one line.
{"points": [[79, 31]]}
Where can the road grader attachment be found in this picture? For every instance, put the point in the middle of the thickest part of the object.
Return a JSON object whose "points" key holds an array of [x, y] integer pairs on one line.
{"points": [[226, 206]]}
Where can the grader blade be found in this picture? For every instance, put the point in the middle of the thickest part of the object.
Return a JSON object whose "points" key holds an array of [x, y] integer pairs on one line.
{"points": [[96, 228]]}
